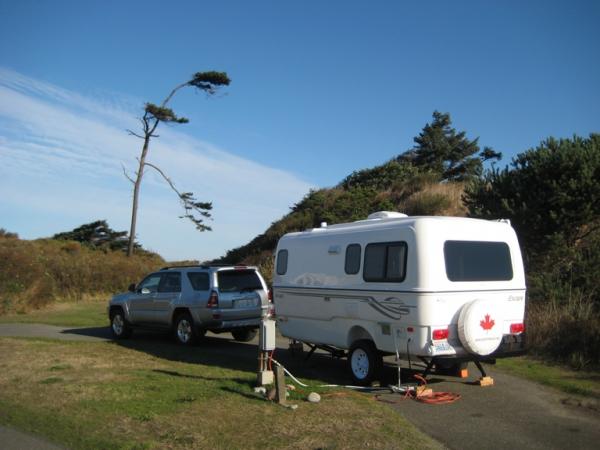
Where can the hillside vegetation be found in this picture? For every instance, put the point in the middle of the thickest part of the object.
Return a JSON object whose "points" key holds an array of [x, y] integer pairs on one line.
{"points": [[36, 273]]}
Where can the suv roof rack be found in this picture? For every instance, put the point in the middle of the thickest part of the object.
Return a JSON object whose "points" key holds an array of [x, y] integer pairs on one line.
{"points": [[203, 266]]}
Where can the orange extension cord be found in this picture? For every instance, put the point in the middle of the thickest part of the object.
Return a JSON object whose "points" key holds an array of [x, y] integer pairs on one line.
{"points": [[436, 398]]}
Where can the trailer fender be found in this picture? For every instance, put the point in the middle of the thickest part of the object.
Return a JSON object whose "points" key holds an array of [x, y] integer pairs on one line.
{"points": [[358, 333]]}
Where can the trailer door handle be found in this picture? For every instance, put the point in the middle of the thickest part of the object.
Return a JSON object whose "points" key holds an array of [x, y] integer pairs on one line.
{"points": [[327, 299]]}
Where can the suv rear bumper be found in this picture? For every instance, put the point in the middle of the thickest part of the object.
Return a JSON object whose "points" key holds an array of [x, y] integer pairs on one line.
{"points": [[222, 325]]}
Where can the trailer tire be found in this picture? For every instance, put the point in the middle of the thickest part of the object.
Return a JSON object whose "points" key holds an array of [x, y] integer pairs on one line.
{"points": [[364, 362]]}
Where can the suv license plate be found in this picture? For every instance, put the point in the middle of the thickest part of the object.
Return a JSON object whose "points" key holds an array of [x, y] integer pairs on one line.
{"points": [[245, 303]]}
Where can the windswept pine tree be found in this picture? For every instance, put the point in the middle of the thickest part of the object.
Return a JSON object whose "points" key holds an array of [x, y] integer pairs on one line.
{"points": [[448, 153]]}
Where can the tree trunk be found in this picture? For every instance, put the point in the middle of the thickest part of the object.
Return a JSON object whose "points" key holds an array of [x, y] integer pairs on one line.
{"points": [[148, 130], [136, 194]]}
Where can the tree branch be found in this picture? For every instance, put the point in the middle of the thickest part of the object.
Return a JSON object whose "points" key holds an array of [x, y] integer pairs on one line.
{"points": [[166, 100], [134, 134], [188, 202], [126, 175]]}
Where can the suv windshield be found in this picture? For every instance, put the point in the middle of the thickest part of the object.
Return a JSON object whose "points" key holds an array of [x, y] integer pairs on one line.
{"points": [[238, 280]]}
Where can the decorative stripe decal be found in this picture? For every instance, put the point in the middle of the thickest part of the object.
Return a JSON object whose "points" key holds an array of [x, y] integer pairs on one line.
{"points": [[391, 307], [414, 291]]}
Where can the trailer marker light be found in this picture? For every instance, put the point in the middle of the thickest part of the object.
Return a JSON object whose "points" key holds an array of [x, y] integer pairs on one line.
{"points": [[410, 329], [516, 328], [440, 334]]}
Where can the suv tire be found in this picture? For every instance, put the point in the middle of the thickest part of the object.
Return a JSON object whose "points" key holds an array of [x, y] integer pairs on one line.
{"points": [[185, 330], [244, 334], [119, 327]]}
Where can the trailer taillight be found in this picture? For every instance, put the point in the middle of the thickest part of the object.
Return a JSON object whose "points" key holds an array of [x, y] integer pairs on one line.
{"points": [[516, 328], [213, 300], [440, 334]]}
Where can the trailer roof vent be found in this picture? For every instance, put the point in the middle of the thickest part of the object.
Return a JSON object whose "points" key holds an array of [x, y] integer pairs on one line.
{"points": [[386, 215]]}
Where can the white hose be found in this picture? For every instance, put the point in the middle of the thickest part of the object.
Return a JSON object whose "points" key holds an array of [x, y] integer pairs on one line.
{"points": [[327, 385]]}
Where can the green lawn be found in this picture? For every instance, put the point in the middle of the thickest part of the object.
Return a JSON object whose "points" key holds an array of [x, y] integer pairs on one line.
{"points": [[72, 314], [153, 394], [567, 380]]}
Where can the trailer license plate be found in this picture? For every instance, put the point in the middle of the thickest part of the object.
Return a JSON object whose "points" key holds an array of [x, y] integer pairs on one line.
{"points": [[245, 303], [442, 347]]}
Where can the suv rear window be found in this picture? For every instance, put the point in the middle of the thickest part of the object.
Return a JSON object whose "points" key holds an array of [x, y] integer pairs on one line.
{"points": [[477, 261], [238, 280]]}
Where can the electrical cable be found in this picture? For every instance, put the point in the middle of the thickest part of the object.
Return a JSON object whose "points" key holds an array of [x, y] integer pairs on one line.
{"points": [[408, 354], [435, 398], [368, 388]]}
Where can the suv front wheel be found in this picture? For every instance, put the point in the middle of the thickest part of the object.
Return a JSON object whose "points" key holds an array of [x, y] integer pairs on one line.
{"points": [[118, 325]]}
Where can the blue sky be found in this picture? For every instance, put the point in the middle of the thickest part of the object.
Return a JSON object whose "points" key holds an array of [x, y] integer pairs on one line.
{"points": [[319, 89]]}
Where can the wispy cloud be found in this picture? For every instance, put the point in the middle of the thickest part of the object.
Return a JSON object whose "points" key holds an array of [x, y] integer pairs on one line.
{"points": [[60, 166]]}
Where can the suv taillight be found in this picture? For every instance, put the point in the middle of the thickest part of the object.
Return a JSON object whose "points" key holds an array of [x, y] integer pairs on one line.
{"points": [[270, 295], [213, 300]]}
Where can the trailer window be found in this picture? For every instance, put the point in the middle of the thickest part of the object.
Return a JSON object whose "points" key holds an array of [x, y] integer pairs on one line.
{"points": [[352, 259], [477, 261], [282, 262], [385, 262]]}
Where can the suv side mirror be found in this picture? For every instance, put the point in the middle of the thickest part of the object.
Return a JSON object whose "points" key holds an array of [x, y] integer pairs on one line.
{"points": [[131, 287]]}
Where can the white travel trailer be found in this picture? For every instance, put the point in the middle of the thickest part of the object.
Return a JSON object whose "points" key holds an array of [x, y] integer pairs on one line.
{"points": [[444, 289]]}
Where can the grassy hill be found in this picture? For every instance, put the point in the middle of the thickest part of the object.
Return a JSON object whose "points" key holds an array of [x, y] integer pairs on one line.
{"points": [[39, 272], [393, 186]]}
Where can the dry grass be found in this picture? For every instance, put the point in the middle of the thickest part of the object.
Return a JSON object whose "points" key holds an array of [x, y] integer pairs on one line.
{"points": [[567, 332], [440, 199], [117, 397], [36, 273]]}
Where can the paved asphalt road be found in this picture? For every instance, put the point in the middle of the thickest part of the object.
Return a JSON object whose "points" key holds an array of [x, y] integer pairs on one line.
{"points": [[514, 413]]}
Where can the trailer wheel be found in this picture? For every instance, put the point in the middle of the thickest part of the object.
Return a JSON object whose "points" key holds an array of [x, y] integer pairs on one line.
{"points": [[365, 362]]}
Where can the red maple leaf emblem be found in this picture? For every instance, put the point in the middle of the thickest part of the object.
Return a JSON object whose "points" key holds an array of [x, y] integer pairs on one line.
{"points": [[487, 324]]}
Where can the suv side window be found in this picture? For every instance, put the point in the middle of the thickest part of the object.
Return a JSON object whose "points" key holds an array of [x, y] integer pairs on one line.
{"points": [[199, 281], [150, 282], [170, 282]]}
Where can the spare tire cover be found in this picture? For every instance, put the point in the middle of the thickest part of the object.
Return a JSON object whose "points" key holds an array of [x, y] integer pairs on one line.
{"points": [[480, 326]]}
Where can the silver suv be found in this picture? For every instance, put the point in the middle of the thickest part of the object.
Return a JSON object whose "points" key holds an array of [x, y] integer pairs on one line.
{"points": [[191, 300]]}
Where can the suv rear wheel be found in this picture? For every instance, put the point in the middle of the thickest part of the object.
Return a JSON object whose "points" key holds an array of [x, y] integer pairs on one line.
{"points": [[185, 330], [244, 334], [118, 325]]}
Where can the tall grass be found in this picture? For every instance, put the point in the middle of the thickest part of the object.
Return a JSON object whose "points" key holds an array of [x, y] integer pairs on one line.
{"points": [[35, 273], [567, 332]]}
